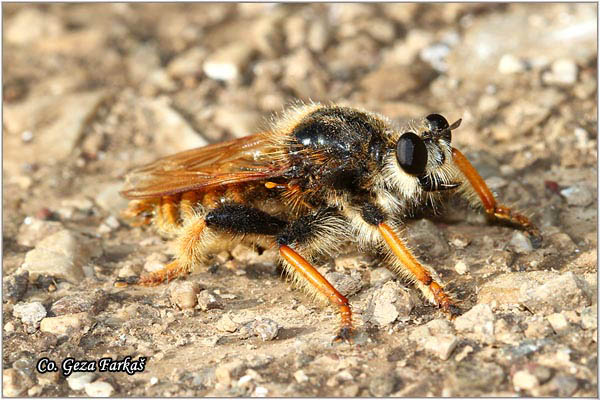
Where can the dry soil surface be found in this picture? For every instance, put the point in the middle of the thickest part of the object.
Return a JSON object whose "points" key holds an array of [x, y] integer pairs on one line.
{"points": [[92, 90]]}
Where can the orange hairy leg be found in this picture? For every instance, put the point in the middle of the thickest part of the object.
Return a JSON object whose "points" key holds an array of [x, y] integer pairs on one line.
{"points": [[189, 244], [495, 211], [417, 270], [322, 285], [168, 273]]}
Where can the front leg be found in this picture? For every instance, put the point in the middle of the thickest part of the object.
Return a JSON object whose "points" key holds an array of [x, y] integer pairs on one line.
{"points": [[496, 212], [404, 263]]}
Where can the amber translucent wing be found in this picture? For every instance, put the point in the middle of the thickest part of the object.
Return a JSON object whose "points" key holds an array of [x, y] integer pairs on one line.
{"points": [[236, 161]]}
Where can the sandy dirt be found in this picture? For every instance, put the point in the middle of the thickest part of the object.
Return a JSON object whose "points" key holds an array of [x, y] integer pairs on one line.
{"points": [[93, 90]]}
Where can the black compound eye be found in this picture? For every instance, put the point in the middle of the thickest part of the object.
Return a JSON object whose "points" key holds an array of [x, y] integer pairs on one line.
{"points": [[411, 154], [437, 122]]}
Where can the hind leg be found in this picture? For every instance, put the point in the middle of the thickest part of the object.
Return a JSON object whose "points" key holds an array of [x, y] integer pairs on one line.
{"points": [[191, 246]]}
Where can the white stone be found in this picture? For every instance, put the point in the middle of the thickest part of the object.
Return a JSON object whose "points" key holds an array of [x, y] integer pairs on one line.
{"points": [[99, 389], [63, 325], [509, 64], [558, 322], [524, 380], [30, 313], [461, 267], [78, 380]]}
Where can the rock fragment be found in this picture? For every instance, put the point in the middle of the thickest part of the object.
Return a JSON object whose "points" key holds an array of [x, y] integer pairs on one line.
{"points": [[14, 382], [346, 284], [61, 255], [509, 64], [558, 322], [578, 195], [14, 287], [63, 325], [563, 73], [184, 294], [563, 292], [388, 303], [436, 337], [92, 302], [99, 389], [228, 62], [524, 380], [226, 324], [589, 318], [520, 243], [265, 328], [479, 321], [475, 376], [30, 314], [77, 380], [224, 373], [208, 301]]}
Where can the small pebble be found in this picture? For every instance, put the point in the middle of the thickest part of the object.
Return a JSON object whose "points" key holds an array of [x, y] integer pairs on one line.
{"points": [[388, 303], [77, 380], [224, 373], [300, 376], [565, 385], [184, 294], [63, 325], [589, 318], [346, 284], [379, 276], [479, 321], [33, 230], [153, 381], [520, 243], [555, 293], [226, 324], [459, 241], [524, 380], [9, 327], [99, 389], [461, 267], [14, 287], [92, 302], [208, 301], [441, 346], [31, 314], [509, 64], [266, 328], [382, 385], [558, 322], [227, 63], [261, 391], [578, 195], [563, 72], [14, 383]]}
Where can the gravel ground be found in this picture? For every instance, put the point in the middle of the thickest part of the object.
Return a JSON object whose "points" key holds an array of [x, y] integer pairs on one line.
{"points": [[92, 90]]}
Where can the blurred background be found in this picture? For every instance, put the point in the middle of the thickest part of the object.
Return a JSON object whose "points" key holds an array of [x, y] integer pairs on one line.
{"points": [[92, 90]]}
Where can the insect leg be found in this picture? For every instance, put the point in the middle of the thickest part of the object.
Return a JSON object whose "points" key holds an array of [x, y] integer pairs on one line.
{"points": [[496, 212], [191, 245], [405, 263], [423, 278], [316, 233], [304, 269]]}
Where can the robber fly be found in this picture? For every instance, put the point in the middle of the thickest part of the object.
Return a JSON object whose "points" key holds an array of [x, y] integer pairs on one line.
{"points": [[322, 174]]}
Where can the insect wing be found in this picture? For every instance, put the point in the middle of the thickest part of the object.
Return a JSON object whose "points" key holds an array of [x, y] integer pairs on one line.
{"points": [[236, 161]]}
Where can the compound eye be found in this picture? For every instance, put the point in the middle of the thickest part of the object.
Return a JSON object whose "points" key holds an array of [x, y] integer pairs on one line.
{"points": [[411, 154], [437, 122]]}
